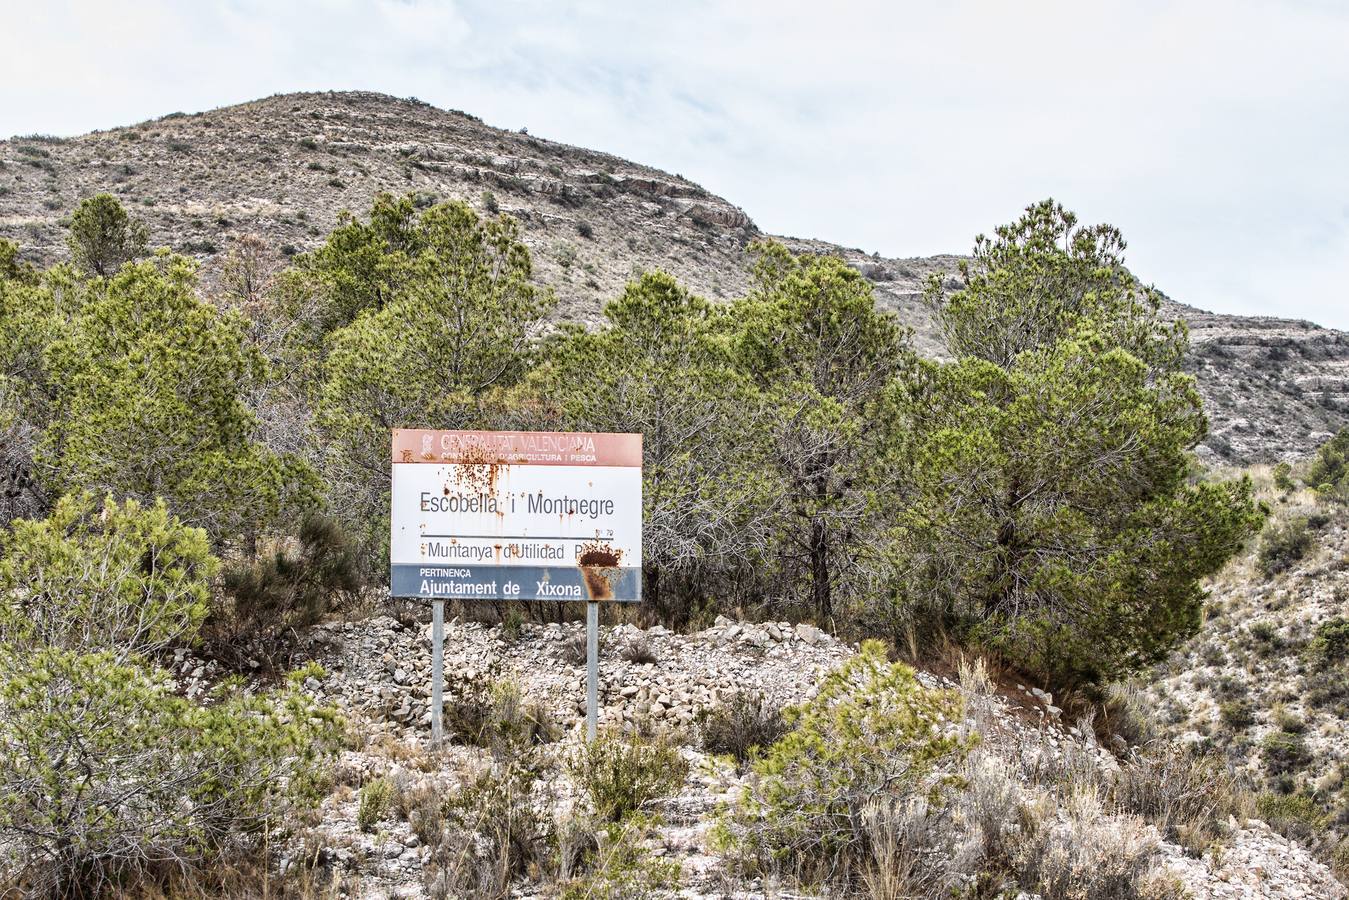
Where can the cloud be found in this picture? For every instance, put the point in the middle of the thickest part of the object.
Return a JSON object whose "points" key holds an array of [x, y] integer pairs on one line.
{"points": [[1211, 131]]}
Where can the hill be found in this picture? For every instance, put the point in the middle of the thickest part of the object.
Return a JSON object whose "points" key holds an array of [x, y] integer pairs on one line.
{"points": [[285, 167]]}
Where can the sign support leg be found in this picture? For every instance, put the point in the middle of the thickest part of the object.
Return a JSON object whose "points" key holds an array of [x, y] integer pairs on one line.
{"points": [[437, 669], [592, 669]]}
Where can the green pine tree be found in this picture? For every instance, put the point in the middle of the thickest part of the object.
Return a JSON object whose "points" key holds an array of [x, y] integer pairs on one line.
{"points": [[1046, 495]]}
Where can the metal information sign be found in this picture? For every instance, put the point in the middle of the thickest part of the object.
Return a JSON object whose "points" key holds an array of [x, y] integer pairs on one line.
{"points": [[516, 515]]}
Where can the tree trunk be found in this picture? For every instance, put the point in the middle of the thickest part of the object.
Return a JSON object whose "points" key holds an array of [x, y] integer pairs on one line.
{"points": [[819, 573], [651, 589]]}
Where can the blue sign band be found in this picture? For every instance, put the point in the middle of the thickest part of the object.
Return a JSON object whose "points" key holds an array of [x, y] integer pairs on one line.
{"points": [[456, 582]]}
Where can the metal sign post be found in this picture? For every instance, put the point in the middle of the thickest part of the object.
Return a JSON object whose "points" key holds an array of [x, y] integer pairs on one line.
{"points": [[592, 669], [437, 671], [516, 515]]}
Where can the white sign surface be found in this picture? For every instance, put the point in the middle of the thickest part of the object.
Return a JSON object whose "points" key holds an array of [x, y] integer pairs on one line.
{"points": [[516, 515]]}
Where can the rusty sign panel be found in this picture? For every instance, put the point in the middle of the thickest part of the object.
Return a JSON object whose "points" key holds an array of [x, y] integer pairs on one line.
{"points": [[516, 515]]}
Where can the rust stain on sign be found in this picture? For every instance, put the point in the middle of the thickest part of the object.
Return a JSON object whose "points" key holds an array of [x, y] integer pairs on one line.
{"points": [[599, 563], [476, 469]]}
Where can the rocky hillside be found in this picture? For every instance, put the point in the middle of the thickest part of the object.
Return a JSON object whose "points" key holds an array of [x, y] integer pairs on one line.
{"points": [[1030, 765], [1267, 680], [286, 166]]}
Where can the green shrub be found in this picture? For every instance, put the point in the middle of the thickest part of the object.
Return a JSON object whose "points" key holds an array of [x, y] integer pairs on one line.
{"points": [[296, 585], [106, 774], [1296, 816], [1330, 643], [1329, 471], [620, 773], [1285, 753], [102, 236], [1265, 633], [201, 245], [1283, 545], [374, 803], [874, 735], [114, 577], [1283, 477], [742, 726], [1237, 714], [1232, 687], [621, 868]]}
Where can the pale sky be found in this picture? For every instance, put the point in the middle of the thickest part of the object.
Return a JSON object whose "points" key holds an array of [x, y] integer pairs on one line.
{"points": [[1215, 133]]}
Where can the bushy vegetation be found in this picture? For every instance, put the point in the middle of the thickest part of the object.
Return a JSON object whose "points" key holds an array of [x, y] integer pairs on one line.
{"points": [[620, 868], [107, 776], [1284, 544], [881, 791], [1035, 495], [873, 738], [375, 798], [1330, 644], [742, 726], [294, 586], [1329, 471], [490, 833], [1050, 507], [621, 772], [493, 713], [102, 236]]}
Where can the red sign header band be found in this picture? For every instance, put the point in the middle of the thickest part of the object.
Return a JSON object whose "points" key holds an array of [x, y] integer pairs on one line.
{"points": [[516, 448]]}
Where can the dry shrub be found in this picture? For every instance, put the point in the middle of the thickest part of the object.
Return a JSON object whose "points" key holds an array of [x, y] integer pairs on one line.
{"points": [[620, 773], [638, 650], [1028, 818], [494, 714], [419, 805], [1079, 852], [909, 858], [873, 738], [573, 649], [1188, 796], [241, 877], [576, 844], [491, 833], [620, 867], [742, 726], [1127, 713], [989, 813]]}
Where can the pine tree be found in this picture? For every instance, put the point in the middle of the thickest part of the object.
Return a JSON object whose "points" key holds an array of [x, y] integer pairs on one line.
{"points": [[1047, 499], [820, 355]]}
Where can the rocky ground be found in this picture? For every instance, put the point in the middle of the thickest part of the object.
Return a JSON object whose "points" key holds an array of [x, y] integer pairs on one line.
{"points": [[285, 167], [378, 674], [1253, 684]]}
